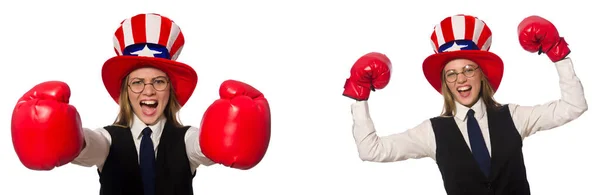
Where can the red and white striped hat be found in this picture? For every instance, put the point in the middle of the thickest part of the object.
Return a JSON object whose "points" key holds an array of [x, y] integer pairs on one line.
{"points": [[149, 40], [466, 37]]}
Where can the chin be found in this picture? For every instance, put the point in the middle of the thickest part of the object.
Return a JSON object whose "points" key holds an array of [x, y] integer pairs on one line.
{"points": [[466, 101], [150, 120]]}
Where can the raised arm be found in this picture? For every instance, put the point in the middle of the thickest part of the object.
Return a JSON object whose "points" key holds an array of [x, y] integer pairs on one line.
{"points": [[537, 34], [413, 143], [370, 72], [571, 105]]}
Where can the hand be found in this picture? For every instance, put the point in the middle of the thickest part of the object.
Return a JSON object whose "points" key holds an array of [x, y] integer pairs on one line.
{"points": [[370, 72], [46, 130], [537, 34], [236, 129]]}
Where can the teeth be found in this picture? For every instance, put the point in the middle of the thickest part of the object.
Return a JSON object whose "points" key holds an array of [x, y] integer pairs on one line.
{"points": [[149, 102], [464, 88]]}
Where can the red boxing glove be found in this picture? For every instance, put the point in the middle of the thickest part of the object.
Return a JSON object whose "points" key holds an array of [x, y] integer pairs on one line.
{"points": [[46, 130], [236, 129], [371, 71], [537, 34]]}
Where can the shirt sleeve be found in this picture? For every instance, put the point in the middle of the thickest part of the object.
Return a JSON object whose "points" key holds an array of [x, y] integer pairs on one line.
{"points": [[571, 105], [97, 146], [413, 143], [192, 144]]}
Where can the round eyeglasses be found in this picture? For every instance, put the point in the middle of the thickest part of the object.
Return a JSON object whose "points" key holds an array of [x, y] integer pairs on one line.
{"points": [[468, 71], [159, 84]]}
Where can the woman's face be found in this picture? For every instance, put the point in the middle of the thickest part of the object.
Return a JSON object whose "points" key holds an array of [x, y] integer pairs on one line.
{"points": [[148, 93], [463, 78]]}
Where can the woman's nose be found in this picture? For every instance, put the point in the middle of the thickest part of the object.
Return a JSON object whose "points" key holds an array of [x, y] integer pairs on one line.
{"points": [[461, 78], [149, 90]]}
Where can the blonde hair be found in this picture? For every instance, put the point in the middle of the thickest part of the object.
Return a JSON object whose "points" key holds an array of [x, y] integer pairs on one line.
{"points": [[486, 94], [125, 117]]}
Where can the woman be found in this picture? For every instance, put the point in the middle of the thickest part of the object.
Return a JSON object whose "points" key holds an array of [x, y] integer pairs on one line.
{"points": [[476, 141], [147, 150]]}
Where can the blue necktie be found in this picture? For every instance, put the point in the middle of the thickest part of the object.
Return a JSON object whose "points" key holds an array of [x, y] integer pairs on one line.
{"points": [[147, 161], [480, 151]]}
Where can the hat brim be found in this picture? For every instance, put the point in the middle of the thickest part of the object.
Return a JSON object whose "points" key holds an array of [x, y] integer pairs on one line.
{"points": [[491, 65], [182, 77]]}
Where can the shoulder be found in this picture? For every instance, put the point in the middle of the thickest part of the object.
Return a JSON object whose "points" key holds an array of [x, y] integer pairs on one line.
{"points": [[192, 133], [424, 126], [423, 132], [185, 128], [427, 124], [511, 107], [437, 118], [190, 129], [114, 128], [506, 107], [503, 110], [95, 133]]}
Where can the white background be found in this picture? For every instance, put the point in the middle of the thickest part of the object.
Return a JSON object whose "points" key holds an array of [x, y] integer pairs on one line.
{"points": [[299, 55]]}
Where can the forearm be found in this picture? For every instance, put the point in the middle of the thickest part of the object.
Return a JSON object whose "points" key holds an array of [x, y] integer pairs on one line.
{"points": [[195, 155], [95, 150], [365, 135], [573, 102], [371, 147]]}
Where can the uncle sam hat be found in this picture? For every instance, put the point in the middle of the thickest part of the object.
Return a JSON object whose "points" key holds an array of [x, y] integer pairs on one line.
{"points": [[149, 40], [462, 37]]}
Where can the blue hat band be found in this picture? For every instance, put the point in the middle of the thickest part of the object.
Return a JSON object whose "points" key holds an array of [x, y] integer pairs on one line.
{"points": [[147, 50], [458, 45]]}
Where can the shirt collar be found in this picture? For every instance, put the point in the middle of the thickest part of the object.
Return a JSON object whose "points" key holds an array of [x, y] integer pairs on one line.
{"points": [[478, 107], [138, 126]]}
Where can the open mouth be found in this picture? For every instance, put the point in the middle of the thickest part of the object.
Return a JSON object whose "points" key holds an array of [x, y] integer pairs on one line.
{"points": [[464, 91], [149, 107], [149, 103]]}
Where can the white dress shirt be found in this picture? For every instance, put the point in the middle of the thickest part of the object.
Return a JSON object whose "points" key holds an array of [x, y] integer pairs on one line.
{"points": [[98, 144], [419, 142]]}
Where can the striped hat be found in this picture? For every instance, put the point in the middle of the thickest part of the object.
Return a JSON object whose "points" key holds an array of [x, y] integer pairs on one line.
{"points": [[462, 37], [149, 40]]}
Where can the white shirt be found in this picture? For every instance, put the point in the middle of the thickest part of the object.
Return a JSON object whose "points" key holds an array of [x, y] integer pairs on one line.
{"points": [[419, 142], [98, 144]]}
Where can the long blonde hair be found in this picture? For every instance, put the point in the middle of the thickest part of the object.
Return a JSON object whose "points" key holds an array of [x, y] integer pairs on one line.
{"points": [[125, 117], [486, 94]]}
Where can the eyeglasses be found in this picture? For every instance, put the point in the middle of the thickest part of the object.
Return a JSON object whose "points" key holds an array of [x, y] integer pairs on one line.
{"points": [[468, 71], [158, 83]]}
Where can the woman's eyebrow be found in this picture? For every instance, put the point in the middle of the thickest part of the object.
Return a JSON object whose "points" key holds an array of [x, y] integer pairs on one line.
{"points": [[471, 65], [138, 78], [135, 78]]}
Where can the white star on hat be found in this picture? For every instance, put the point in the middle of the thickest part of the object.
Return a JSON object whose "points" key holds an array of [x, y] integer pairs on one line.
{"points": [[455, 47], [147, 52]]}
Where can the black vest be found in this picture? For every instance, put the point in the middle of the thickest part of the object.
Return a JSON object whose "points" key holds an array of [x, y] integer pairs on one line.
{"points": [[121, 172], [460, 171]]}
